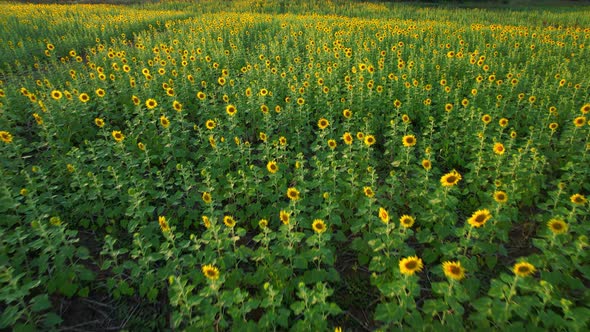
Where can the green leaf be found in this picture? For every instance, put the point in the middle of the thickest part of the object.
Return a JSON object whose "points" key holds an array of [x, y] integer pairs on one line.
{"points": [[9, 316], [40, 303]]}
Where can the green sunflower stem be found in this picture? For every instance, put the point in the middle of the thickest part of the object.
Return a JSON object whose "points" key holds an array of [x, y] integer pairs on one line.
{"points": [[510, 294], [467, 241]]}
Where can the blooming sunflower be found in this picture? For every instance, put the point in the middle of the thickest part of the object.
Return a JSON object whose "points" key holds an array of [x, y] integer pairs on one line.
{"points": [[553, 126], [206, 221], [272, 166], [499, 148], [347, 113], [347, 138], [323, 123], [410, 265], [262, 136], [229, 221], [151, 103], [503, 122], [56, 94], [318, 226], [406, 221], [557, 226], [585, 109], [409, 140], [450, 179], [177, 106], [523, 269], [285, 217], [426, 164], [263, 223], [99, 122], [6, 137], [370, 140], [283, 140], [163, 224], [383, 215], [293, 193], [141, 146], [206, 197], [580, 121], [210, 272], [231, 110], [164, 121], [210, 124], [201, 95], [332, 144], [486, 118], [578, 199], [449, 107], [479, 218], [453, 270], [500, 197], [118, 136], [100, 92], [84, 97], [368, 192]]}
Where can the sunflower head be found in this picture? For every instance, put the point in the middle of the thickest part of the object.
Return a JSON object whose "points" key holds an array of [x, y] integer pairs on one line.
{"points": [[406, 221], [323, 123], [499, 148], [319, 226], [523, 269], [427, 164], [285, 217], [409, 140], [578, 199], [151, 103], [164, 121], [369, 140], [368, 192], [163, 224], [332, 144], [118, 136], [293, 193], [263, 223], [229, 221], [500, 197], [479, 218], [210, 272], [410, 265], [230, 110], [383, 215], [450, 179], [453, 270], [206, 197], [557, 226]]}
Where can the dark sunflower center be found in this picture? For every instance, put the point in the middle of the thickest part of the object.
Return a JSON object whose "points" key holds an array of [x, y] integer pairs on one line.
{"points": [[523, 269], [451, 179], [455, 270], [578, 199], [557, 226], [211, 273], [409, 140], [411, 265], [480, 218], [501, 197]]}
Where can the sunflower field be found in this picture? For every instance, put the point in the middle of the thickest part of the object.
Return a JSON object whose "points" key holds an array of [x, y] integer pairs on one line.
{"points": [[262, 165]]}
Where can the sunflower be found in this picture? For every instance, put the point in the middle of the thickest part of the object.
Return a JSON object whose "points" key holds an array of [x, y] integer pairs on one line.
{"points": [[38, 118], [323, 123], [409, 140], [141, 146], [206, 221], [55, 94], [503, 122], [272, 166], [553, 126], [410, 265], [177, 106], [405, 118], [210, 272], [229, 221], [285, 217], [523, 269], [100, 92], [347, 138], [163, 224], [499, 148], [479, 218], [453, 270], [332, 144], [486, 118], [579, 121], [448, 107], [383, 215], [118, 136], [450, 179], [206, 197], [135, 100], [264, 109], [585, 109], [397, 103], [282, 140], [263, 223], [406, 221], [370, 140], [293, 193], [578, 199], [557, 226], [164, 121], [201, 95], [300, 101], [347, 113], [6, 137], [210, 124], [231, 110], [500, 197], [151, 103], [465, 102], [426, 164], [262, 136], [318, 226], [84, 97], [368, 192]]}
